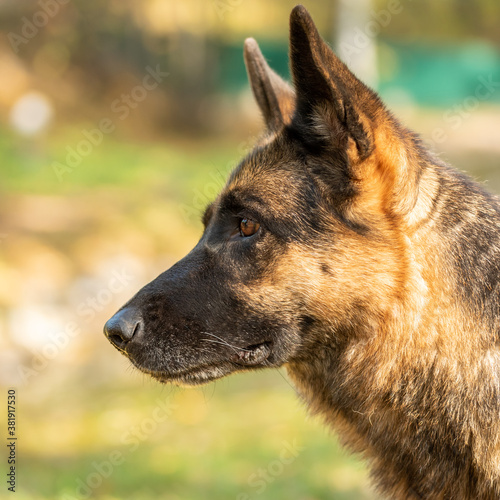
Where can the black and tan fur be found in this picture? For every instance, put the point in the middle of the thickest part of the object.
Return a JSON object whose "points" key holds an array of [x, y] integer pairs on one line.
{"points": [[373, 277]]}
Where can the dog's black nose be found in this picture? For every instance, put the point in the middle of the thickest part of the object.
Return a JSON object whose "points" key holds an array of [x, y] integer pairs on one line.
{"points": [[122, 327]]}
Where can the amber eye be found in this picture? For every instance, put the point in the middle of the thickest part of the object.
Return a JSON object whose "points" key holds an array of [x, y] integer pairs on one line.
{"points": [[248, 227]]}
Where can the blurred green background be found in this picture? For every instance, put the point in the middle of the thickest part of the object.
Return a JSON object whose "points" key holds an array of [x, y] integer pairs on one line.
{"points": [[107, 162]]}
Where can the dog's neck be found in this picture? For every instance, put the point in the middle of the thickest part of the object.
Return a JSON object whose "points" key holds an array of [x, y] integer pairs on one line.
{"points": [[404, 411]]}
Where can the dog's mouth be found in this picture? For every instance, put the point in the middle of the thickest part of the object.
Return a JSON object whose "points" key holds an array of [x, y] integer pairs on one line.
{"points": [[253, 356]]}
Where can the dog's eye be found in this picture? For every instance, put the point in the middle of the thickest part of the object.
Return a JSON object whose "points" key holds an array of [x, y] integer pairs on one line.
{"points": [[248, 227]]}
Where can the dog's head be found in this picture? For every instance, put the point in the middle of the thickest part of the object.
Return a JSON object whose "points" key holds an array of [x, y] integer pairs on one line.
{"points": [[305, 233]]}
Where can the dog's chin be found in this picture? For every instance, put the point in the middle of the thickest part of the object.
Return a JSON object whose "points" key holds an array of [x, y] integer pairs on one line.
{"points": [[252, 357], [196, 376]]}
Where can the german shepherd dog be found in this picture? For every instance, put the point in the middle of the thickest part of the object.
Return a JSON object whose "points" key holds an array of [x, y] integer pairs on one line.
{"points": [[343, 249]]}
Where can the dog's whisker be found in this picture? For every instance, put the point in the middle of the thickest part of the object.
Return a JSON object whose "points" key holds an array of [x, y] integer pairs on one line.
{"points": [[224, 342]]}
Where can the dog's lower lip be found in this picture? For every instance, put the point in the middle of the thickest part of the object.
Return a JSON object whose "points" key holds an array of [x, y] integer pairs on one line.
{"points": [[252, 355], [194, 373]]}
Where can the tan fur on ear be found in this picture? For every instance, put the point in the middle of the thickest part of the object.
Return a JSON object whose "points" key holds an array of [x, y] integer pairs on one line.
{"points": [[274, 96]]}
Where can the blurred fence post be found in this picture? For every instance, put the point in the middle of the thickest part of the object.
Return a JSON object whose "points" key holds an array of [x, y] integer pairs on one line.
{"points": [[355, 40]]}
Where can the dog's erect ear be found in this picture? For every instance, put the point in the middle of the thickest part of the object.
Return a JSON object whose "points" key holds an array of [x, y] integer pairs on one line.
{"points": [[328, 93], [273, 95], [335, 110]]}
